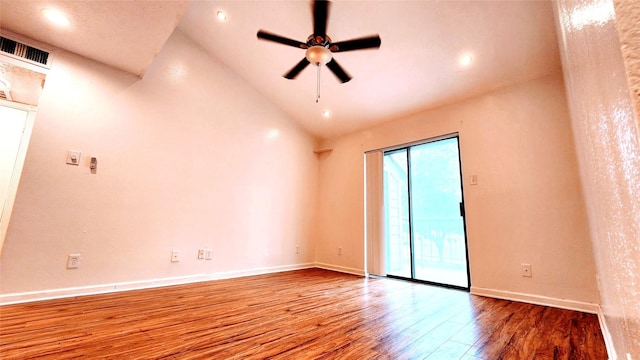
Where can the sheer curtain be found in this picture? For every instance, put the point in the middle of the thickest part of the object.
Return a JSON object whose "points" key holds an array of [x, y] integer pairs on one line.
{"points": [[374, 213]]}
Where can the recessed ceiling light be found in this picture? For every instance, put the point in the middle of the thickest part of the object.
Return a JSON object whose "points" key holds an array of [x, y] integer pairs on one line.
{"points": [[326, 113], [466, 59], [221, 15], [272, 134], [56, 17]]}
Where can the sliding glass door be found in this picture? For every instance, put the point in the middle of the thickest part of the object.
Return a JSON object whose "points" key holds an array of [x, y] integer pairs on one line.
{"points": [[396, 213], [424, 214]]}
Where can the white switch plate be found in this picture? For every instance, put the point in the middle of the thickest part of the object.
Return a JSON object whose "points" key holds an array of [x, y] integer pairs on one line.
{"points": [[175, 256], [208, 254], [474, 179], [200, 254], [73, 157]]}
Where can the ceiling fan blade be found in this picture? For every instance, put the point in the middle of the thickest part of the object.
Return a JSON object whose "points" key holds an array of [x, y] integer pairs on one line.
{"points": [[356, 44], [320, 17], [338, 71], [281, 40], [297, 69]]}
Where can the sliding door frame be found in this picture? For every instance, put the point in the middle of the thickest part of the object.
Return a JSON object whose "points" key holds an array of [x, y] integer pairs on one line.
{"points": [[407, 149]]}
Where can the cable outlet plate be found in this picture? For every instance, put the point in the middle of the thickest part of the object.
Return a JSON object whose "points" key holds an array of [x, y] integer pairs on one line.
{"points": [[175, 256], [73, 157], [73, 261]]}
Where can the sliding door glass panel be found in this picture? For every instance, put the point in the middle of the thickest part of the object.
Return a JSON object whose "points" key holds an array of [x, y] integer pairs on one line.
{"points": [[439, 246], [396, 214]]}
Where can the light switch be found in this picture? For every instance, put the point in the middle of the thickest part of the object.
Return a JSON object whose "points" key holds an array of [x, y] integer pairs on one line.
{"points": [[474, 180], [73, 157]]}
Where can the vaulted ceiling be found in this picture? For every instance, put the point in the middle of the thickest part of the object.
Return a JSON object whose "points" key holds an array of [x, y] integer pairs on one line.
{"points": [[417, 67]]}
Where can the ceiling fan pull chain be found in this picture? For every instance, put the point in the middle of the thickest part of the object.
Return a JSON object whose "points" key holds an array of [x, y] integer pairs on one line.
{"points": [[318, 86]]}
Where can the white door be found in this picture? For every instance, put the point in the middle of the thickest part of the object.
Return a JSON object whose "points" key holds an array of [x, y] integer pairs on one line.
{"points": [[13, 139]]}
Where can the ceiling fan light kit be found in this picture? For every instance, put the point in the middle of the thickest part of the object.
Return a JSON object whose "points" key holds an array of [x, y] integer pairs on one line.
{"points": [[318, 55], [319, 47]]}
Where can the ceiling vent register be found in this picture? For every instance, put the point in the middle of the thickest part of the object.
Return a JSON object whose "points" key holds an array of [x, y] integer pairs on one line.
{"points": [[24, 52]]}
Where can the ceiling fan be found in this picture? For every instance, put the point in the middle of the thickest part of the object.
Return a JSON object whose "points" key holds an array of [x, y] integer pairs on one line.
{"points": [[319, 46]]}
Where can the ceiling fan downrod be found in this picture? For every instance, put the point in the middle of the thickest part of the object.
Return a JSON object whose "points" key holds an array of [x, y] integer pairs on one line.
{"points": [[318, 86]]}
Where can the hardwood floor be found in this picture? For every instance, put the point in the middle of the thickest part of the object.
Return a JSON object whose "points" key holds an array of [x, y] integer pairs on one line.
{"points": [[305, 314]]}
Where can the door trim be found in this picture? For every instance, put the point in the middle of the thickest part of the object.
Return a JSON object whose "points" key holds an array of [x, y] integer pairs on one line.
{"points": [[5, 216]]}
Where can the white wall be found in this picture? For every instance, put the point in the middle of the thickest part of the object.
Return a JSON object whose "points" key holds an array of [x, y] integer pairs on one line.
{"points": [[188, 157], [526, 208], [608, 147]]}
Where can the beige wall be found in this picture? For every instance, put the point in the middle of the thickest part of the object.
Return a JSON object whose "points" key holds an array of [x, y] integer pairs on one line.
{"points": [[608, 147], [188, 157], [526, 208]]}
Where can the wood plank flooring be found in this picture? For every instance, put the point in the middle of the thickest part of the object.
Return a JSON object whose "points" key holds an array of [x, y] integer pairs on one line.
{"points": [[305, 314]]}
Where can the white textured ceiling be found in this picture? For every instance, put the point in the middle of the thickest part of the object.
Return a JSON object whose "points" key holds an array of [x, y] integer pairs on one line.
{"points": [[416, 67], [124, 34]]}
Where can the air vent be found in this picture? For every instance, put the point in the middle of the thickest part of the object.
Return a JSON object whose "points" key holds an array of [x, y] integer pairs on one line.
{"points": [[24, 52]]}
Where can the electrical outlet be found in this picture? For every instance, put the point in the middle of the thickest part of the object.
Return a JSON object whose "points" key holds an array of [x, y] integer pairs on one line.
{"points": [[175, 256], [200, 254], [73, 261], [526, 270], [297, 249], [208, 254], [339, 251]]}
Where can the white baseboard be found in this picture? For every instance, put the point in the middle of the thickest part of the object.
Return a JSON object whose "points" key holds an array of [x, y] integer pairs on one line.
{"points": [[342, 269], [537, 300], [24, 297], [608, 340], [16, 298]]}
